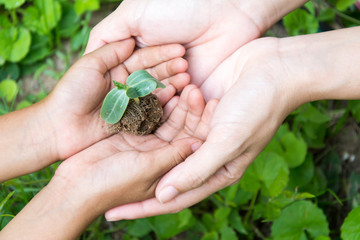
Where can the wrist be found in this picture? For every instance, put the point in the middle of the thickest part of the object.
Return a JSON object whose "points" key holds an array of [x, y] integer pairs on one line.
{"points": [[26, 142], [56, 212], [266, 13]]}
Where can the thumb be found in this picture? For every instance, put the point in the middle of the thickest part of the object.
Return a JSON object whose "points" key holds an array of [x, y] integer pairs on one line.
{"points": [[193, 172]]}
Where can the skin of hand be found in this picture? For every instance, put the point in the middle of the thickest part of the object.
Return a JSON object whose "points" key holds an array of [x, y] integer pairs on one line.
{"points": [[117, 170], [68, 120], [270, 78], [210, 30]]}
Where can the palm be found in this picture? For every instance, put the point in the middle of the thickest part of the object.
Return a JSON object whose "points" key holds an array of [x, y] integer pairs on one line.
{"points": [[202, 28]]}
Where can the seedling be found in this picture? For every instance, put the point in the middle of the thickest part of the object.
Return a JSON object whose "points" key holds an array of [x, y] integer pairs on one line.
{"points": [[138, 84]]}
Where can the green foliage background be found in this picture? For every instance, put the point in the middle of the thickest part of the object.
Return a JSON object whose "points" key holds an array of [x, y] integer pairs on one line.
{"points": [[295, 189]]}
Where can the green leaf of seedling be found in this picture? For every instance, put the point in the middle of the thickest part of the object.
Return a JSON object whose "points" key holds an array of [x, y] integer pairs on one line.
{"points": [[299, 219], [142, 89], [351, 227], [119, 85], [141, 83], [15, 43], [8, 89], [114, 106]]}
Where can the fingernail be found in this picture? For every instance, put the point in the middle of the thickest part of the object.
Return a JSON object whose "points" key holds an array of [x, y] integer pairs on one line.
{"points": [[168, 194], [196, 146], [111, 217]]}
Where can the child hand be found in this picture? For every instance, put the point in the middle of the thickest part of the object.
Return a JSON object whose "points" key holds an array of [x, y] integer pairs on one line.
{"points": [[117, 170], [74, 105]]}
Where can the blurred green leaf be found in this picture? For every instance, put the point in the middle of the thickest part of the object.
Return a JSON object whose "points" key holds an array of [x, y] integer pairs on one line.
{"points": [[10, 70], [302, 174], [8, 89], [295, 149], [299, 217], [70, 21], [269, 172], [139, 228], [12, 4], [342, 5], [40, 48], [80, 39], [15, 43], [167, 226], [354, 106], [227, 233], [300, 22], [210, 236], [23, 104], [351, 228], [82, 6]]}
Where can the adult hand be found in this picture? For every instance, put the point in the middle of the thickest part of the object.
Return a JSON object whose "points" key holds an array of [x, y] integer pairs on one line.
{"points": [[120, 169], [269, 79], [210, 30]]}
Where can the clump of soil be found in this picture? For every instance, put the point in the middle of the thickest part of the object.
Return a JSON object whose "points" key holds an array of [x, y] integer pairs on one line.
{"points": [[140, 118]]}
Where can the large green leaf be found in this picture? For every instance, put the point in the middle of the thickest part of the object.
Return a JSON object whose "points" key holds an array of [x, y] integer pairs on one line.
{"points": [[43, 16], [302, 174], [342, 5], [114, 106], [50, 13], [300, 22], [298, 218], [82, 6], [351, 228], [12, 4], [295, 149], [167, 226], [269, 172], [15, 43], [8, 89]]}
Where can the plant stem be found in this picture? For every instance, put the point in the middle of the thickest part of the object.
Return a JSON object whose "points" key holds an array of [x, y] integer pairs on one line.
{"points": [[251, 208], [137, 100]]}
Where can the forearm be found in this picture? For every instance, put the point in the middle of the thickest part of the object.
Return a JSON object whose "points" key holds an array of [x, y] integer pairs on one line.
{"points": [[267, 12], [54, 213], [324, 65], [26, 142]]}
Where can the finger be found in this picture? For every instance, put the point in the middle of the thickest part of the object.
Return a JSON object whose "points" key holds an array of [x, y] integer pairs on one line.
{"points": [[165, 158], [196, 104], [153, 207], [203, 128], [175, 123], [108, 31], [195, 171], [151, 56], [169, 108], [168, 69], [179, 81], [107, 57]]}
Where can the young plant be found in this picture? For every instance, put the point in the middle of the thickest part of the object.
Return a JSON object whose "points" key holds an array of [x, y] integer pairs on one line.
{"points": [[139, 84]]}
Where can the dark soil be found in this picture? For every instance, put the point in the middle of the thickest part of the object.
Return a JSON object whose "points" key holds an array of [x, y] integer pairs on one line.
{"points": [[140, 119]]}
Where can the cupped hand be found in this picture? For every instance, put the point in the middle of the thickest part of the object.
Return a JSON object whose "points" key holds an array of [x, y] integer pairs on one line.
{"points": [[126, 168], [74, 105], [260, 96], [210, 30]]}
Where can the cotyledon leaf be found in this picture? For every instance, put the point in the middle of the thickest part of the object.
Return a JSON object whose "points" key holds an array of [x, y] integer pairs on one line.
{"points": [[114, 106], [140, 76]]}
